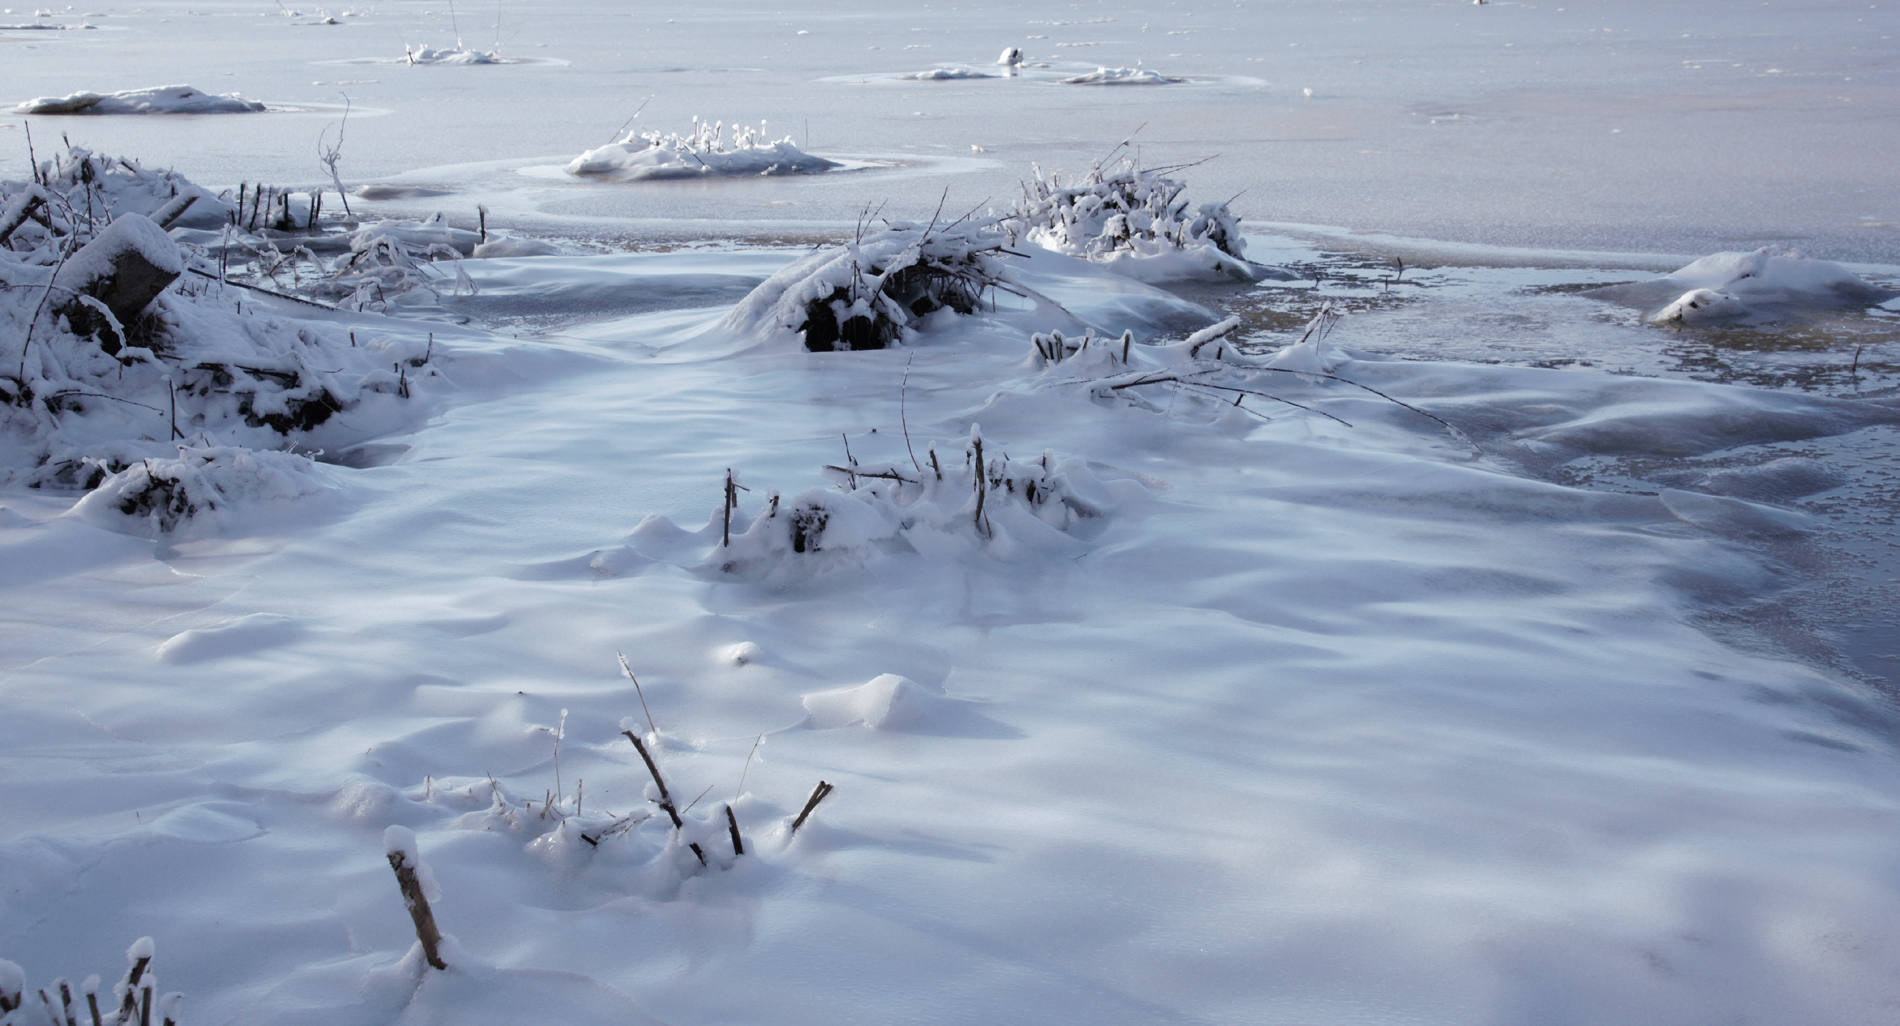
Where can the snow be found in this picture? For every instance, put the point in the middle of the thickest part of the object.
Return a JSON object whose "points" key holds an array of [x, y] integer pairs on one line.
{"points": [[171, 99], [885, 702], [1441, 643], [706, 152]]}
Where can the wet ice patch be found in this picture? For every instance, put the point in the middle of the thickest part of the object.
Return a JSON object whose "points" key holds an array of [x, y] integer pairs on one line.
{"points": [[172, 99], [243, 636]]}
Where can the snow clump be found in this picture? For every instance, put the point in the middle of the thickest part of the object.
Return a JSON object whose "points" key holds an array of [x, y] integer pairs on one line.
{"points": [[707, 151], [171, 99], [1134, 221]]}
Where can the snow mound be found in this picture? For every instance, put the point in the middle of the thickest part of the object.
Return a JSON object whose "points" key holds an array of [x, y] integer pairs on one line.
{"points": [[707, 151], [241, 636], [873, 292], [885, 702], [161, 495], [425, 55], [1134, 221], [949, 75], [172, 99], [1121, 76], [1741, 287]]}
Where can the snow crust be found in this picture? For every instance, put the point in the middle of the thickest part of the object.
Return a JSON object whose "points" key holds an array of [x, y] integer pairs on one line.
{"points": [[171, 99]]}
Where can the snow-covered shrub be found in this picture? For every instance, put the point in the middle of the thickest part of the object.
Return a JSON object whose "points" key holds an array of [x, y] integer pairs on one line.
{"points": [[1205, 373], [135, 999], [83, 190], [94, 379], [1133, 220], [172, 99], [870, 293], [389, 260], [705, 151], [200, 481], [985, 500]]}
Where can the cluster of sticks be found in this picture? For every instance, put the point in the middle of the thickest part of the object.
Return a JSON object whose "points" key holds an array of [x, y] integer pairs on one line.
{"points": [[277, 201], [666, 802], [136, 1006]]}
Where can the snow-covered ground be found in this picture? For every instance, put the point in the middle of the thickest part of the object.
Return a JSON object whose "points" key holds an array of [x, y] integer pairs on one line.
{"points": [[1502, 651]]}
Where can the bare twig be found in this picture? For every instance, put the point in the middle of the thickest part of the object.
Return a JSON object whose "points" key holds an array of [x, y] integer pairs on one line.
{"points": [[628, 670], [418, 905], [732, 823], [817, 795], [666, 797], [903, 391]]}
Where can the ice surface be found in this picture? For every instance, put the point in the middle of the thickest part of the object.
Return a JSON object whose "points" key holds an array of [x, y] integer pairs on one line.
{"points": [[173, 99]]}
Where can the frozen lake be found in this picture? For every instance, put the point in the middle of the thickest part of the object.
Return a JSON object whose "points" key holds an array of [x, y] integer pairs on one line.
{"points": [[1503, 656]]}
